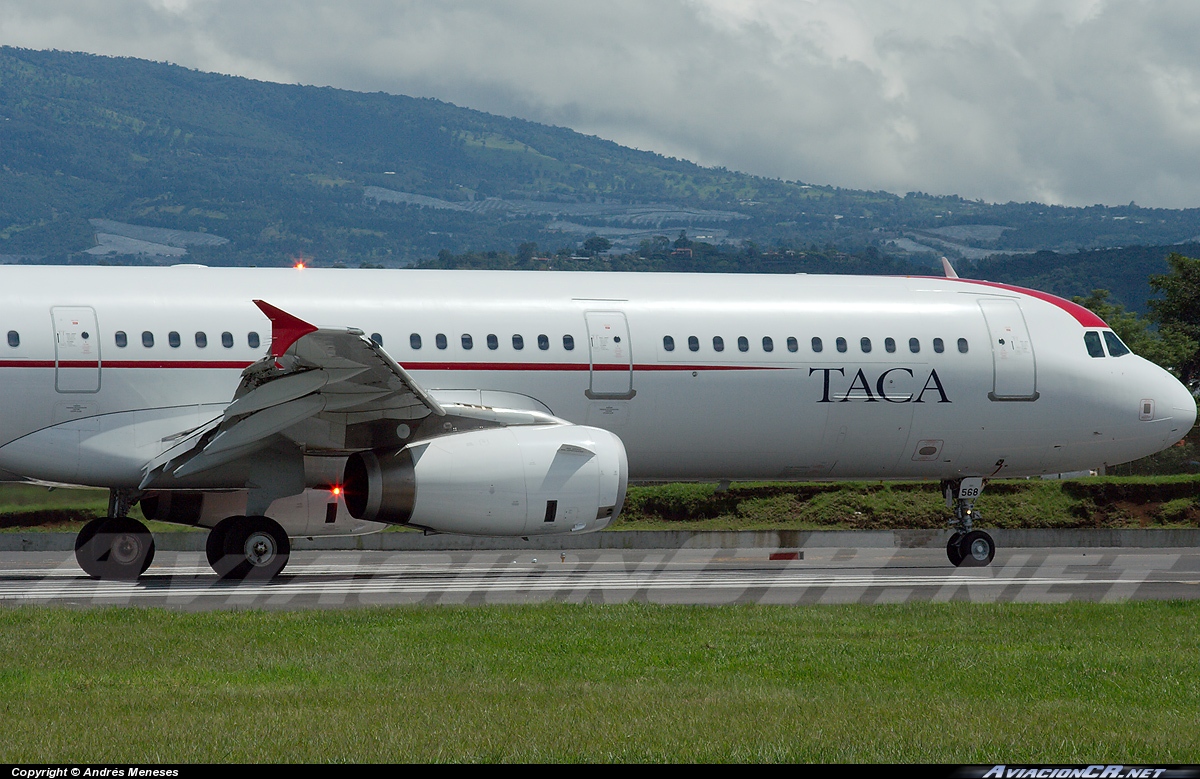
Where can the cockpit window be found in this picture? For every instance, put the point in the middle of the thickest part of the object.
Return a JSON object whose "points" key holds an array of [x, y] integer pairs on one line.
{"points": [[1115, 347], [1092, 339]]}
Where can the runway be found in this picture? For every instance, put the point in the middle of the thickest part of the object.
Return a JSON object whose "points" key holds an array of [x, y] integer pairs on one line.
{"points": [[183, 581]]}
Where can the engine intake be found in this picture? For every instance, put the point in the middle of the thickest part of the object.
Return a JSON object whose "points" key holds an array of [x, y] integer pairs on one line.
{"points": [[511, 481]]}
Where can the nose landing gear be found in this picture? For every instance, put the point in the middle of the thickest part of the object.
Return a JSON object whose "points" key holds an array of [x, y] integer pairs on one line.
{"points": [[967, 547]]}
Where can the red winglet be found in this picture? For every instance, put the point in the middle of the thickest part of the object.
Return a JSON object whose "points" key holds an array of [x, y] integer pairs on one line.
{"points": [[285, 328]]}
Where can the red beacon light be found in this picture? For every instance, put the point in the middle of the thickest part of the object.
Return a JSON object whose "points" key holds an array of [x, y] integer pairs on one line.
{"points": [[299, 265]]}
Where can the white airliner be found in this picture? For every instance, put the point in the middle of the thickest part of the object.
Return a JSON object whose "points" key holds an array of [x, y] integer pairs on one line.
{"points": [[268, 403]]}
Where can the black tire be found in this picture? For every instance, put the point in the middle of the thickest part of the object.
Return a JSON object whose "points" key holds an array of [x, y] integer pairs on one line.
{"points": [[954, 550], [214, 545], [256, 548], [119, 548], [84, 548], [978, 549]]}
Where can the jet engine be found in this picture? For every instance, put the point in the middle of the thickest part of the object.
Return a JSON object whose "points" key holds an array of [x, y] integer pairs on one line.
{"points": [[514, 481]]}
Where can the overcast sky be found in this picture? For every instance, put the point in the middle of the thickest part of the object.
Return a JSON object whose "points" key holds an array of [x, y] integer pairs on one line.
{"points": [[1075, 102]]}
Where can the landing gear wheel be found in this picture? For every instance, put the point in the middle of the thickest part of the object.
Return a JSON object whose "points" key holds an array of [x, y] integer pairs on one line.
{"points": [[252, 548], [953, 550], [967, 548], [214, 545], [83, 548], [114, 548], [222, 561], [977, 549]]}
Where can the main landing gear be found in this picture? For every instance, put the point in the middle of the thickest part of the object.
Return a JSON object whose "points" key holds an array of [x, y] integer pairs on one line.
{"points": [[116, 546], [247, 548], [967, 547], [122, 548]]}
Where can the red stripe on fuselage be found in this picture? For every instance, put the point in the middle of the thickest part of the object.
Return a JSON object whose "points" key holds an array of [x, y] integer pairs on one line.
{"points": [[412, 366], [1082, 315]]}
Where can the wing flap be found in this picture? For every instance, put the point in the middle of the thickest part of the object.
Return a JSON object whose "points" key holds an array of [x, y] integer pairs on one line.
{"points": [[265, 423], [328, 377], [282, 390]]}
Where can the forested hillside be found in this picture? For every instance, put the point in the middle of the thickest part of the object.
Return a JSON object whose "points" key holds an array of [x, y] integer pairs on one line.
{"points": [[123, 160]]}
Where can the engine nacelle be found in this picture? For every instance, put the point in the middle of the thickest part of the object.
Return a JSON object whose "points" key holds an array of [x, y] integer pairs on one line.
{"points": [[508, 481], [314, 512]]}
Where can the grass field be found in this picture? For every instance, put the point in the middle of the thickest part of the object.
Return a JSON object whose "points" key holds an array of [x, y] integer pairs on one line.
{"points": [[1072, 683], [1115, 502], [27, 507], [1125, 502]]}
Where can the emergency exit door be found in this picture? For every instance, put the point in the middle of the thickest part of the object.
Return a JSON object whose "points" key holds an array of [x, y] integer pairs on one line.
{"points": [[76, 349]]}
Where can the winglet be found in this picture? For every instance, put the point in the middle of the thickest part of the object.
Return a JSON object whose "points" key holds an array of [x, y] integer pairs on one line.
{"points": [[285, 328], [949, 269]]}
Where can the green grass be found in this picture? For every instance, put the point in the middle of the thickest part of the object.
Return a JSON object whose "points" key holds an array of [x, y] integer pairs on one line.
{"points": [[1115, 502], [958, 683], [20, 498], [25, 507], [1126, 502]]}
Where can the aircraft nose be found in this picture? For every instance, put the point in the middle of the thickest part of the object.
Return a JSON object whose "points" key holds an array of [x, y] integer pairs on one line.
{"points": [[1183, 410]]}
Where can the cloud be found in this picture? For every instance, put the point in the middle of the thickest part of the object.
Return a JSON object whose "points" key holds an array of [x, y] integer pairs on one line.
{"points": [[1071, 102]]}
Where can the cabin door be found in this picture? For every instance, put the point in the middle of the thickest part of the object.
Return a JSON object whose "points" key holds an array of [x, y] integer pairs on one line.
{"points": [[610, 356], [1014, 370], [76, 349]]}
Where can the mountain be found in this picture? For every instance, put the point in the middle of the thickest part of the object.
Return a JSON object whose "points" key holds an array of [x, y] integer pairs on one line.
{"points": [[99, 155]]}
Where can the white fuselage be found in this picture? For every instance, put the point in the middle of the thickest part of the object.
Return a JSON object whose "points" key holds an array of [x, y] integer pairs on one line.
{"points": [[1021, 397]]}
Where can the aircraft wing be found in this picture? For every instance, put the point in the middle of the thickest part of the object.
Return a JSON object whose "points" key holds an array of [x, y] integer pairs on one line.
{"points": [[327, 390]]}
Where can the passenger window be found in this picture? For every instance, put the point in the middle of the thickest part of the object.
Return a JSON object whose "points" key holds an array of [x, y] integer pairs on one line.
{"points": [[569, 343], [121, 338], [253, 340], [14, 338], [718, 343], [468, 342], [938, 345], [962, 345], [544, 342], [1091, 339], [793, 344], [865, 345], [173, 339], [440, 340], [201, 339], [743, 343], [768, 344], [1116, 348], [147, 339], [889, 344], [914, 345], [414, 341], [817, 345], [841, 344], [493, 342], [227, 340], [693, 343], [668, 343], [518, 342]]}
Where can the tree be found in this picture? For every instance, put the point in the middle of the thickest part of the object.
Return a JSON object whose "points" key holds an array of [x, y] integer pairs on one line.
{"points": [[596, 245], [526, 251], [1177, 314], [1164, 347]]}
